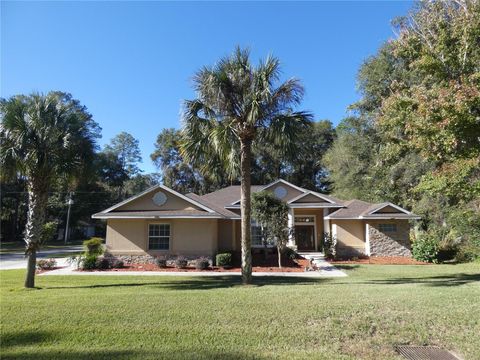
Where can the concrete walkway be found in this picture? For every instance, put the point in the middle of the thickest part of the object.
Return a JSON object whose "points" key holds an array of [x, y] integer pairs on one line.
{"points": [[17, 259], [325, 270]]}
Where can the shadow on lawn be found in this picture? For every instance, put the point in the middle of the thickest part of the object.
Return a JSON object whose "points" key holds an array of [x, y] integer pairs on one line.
{"points": [[25, 338], [130, 354], [346, 266], [202, 283], [11, 340], [440, 280]]}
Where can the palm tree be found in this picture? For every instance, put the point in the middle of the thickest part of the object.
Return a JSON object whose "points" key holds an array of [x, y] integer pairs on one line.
{"points": [[43, 137], [237, 106]]}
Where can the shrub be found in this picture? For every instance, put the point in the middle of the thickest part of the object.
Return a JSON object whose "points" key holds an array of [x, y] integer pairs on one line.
{"points": [[181, 263], [290, 253], [104, 263], [46, 264], [469, 251], [93, 246], [118, 264], [202, 264], [426, 248], [75, 260], [329, 245], [161, 262], [224, 259], [89, 262], [48, 231]]}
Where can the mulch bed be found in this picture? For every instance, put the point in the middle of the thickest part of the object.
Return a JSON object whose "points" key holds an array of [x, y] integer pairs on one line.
{"points": [[380, 260], [260, 264]]}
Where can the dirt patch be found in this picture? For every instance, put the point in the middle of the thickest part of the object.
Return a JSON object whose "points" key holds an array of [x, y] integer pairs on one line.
{"points": [[381, 260]]}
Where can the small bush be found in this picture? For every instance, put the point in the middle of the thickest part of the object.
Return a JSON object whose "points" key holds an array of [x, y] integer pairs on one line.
{"points": [[104, 263], [93, 246], [469, 251], [89, 262], [181, 263], [290, 253], [118, 264], [426, 248], [224, 259], [75, 260], [46, 264], [329, 245], [202, 264], [48, 231], [161, 262]]}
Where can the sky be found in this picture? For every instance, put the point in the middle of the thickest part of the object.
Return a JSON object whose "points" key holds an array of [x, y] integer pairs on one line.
{"points": [[131, 63]]}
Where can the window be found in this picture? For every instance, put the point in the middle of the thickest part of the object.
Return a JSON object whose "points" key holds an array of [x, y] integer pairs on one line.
{"points": [[305, 219], [387, 227], [159, 236], [257, 236]]}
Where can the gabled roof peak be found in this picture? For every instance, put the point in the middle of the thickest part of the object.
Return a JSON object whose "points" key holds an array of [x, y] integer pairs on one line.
{"points": [[158, 187]]}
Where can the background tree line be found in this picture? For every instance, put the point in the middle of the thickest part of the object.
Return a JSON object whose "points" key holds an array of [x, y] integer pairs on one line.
{"points": [[414, 136]]}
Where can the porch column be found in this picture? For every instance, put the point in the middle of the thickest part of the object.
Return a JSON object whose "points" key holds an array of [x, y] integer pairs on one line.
{"points": [[291, 225], [326, 223], [367, 239]]}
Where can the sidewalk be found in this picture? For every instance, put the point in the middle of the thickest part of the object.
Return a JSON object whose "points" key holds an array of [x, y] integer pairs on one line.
{"points": [[17, 260]]}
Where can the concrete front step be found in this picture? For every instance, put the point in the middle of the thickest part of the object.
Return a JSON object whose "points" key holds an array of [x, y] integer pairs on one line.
{"points": [[312, 255]]}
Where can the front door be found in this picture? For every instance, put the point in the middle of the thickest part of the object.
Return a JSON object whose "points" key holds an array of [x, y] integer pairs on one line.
{"points": [[304, 237]]}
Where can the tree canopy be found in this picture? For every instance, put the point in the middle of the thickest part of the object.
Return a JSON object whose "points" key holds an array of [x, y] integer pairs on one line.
{"points": [[414, 136]]}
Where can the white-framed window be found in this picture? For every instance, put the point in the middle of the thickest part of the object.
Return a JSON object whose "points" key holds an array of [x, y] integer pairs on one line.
{"points": [[306, 219], [258, 236], [158, 236], [387, 227]]}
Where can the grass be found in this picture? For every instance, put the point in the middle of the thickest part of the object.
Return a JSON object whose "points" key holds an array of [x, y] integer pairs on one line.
{"points": [[358, 317]]}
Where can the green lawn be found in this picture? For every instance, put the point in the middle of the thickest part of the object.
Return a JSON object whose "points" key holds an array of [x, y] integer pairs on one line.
{"points": [[358, 317]]}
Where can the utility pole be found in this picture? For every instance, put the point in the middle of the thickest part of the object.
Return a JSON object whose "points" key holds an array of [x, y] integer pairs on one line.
{"points": [[69, 202]]}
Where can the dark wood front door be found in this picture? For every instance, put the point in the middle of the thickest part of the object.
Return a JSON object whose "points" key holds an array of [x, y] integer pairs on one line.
{"points": [[304, 237]]}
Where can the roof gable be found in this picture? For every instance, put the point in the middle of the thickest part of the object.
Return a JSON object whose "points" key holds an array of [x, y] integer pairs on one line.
{"points": [[310, 197], [387, 208], [357, 209], [171, 200], [281, 188]]}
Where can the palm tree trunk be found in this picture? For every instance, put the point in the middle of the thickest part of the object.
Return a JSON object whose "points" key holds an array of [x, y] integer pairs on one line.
{"points": [[279, 251], [31, 265], [245, 208], [37, 202]]}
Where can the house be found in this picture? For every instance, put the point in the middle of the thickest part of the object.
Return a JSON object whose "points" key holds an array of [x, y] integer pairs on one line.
{"points": [[162, 221]]}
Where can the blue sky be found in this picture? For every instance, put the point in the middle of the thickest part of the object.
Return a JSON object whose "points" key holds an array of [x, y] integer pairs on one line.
{"points": [[131, 63]]}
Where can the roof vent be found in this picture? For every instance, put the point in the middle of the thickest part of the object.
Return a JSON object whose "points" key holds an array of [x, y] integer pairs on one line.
{"points": [[159, 198]]}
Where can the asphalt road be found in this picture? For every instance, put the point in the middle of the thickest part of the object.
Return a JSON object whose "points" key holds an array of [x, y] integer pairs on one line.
{"points": [[17, 260]]}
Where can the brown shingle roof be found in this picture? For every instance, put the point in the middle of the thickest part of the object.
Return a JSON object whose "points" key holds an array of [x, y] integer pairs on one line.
{"points": [[353, 208], [226, 196], [216, 207], [156, 214]]}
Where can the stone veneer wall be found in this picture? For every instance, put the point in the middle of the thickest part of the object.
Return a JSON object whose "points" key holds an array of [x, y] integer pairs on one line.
{"points": [[149, 259], [390, 244]]}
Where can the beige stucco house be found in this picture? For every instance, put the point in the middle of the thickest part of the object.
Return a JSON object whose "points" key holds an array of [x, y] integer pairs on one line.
{"points": [[163, 221]]}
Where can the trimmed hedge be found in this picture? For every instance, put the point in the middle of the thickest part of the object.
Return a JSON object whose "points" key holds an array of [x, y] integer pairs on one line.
{"points": [[223, 259]]}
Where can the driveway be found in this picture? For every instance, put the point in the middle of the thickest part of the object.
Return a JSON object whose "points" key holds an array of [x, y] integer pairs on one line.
{"points": [[17, 259]]}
